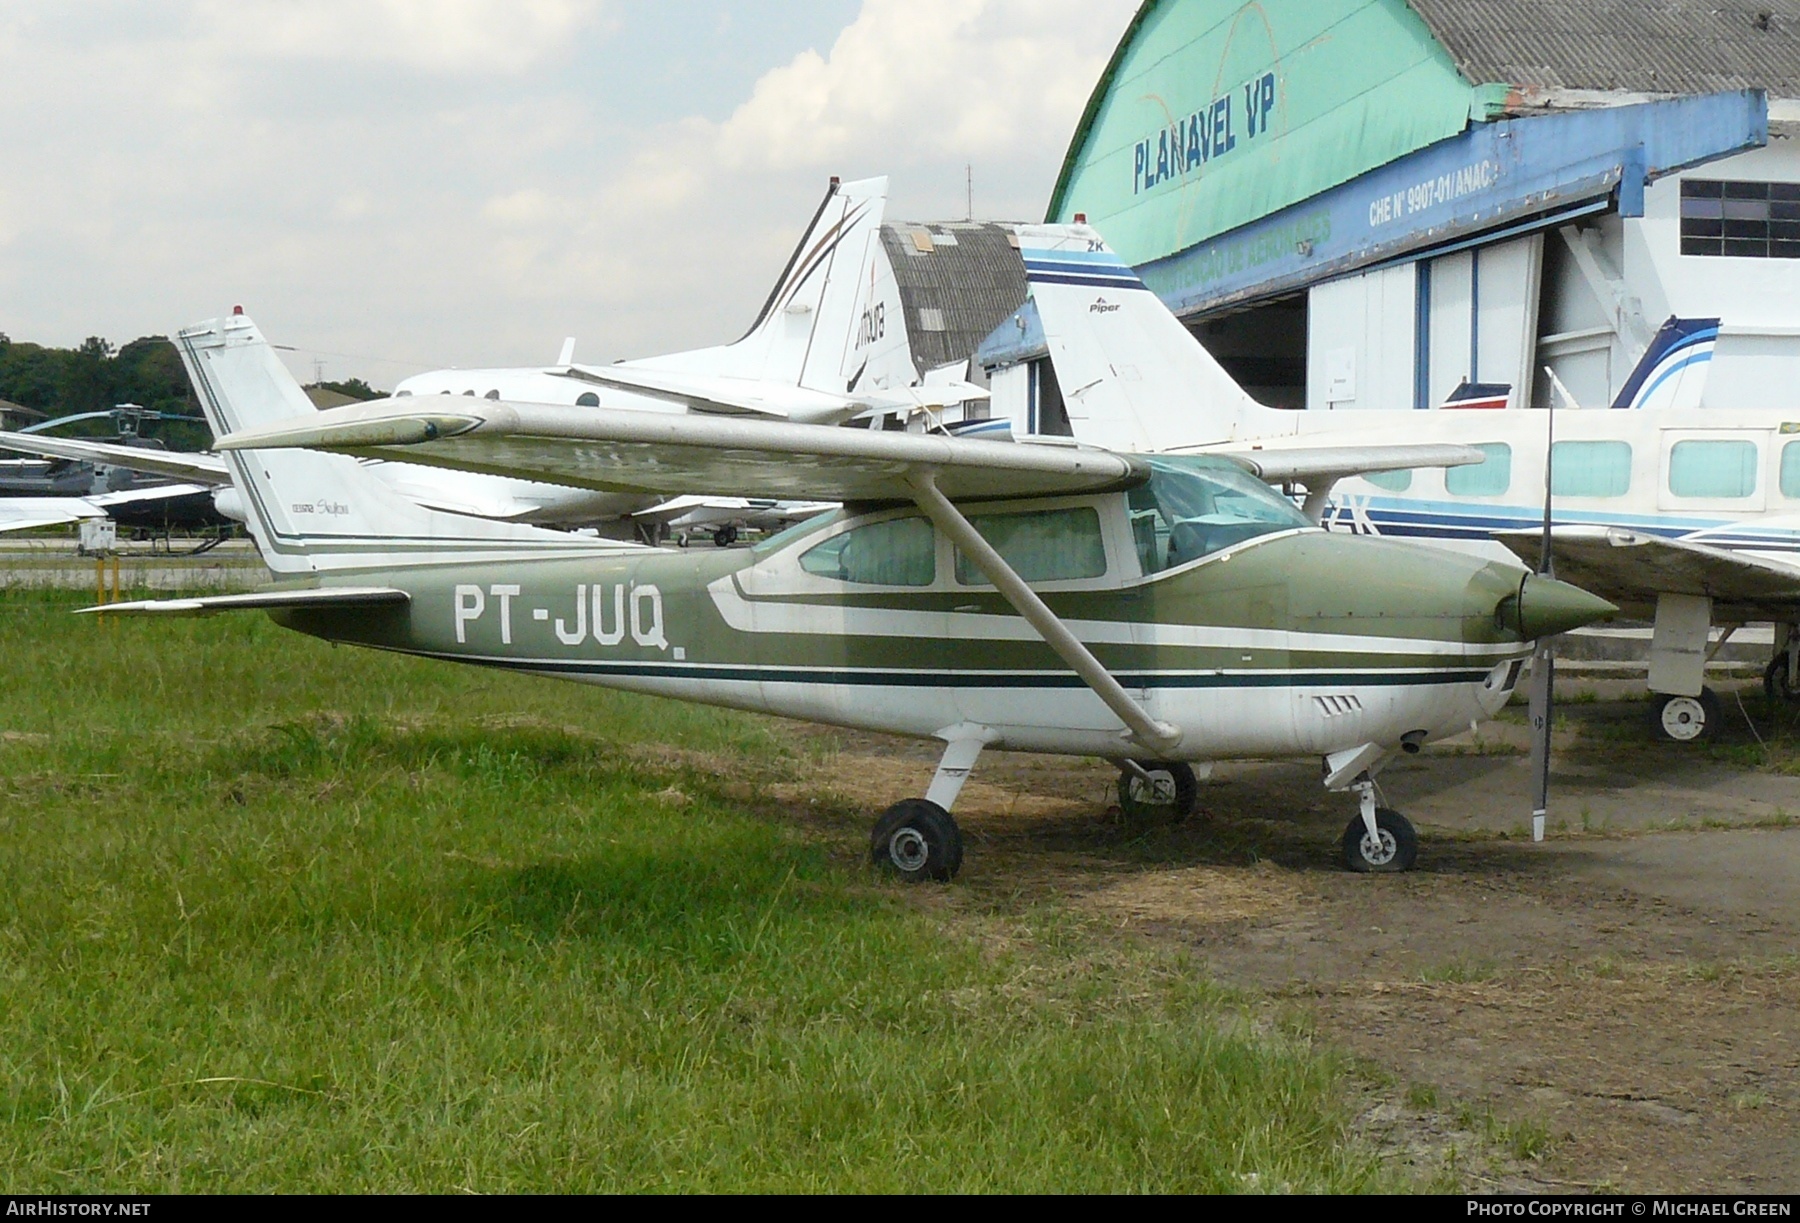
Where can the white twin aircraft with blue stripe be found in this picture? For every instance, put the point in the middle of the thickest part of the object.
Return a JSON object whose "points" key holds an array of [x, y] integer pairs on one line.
{"points": [[1683, 515]]}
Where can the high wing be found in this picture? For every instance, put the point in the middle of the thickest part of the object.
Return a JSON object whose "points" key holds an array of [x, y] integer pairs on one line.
{"points": [[1631, 568], [669, 455], [207, 469], [141, 496], [723, 395]]}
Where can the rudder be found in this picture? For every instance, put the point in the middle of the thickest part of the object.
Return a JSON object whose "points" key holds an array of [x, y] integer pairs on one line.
{"points": [[312, 512]]}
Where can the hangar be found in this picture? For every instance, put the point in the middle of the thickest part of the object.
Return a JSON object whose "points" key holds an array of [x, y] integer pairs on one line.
{"points": [[1371, 203]]}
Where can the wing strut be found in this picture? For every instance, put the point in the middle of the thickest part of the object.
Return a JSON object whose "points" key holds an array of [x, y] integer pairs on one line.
{"points": [[1157, 736]]}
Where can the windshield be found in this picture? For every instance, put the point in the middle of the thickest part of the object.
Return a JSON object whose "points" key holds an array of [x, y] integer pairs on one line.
{"points": [[1192, 507]]}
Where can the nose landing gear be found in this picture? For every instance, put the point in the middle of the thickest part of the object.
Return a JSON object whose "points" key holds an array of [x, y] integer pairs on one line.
{"points": [[1157, 790], [1378, 839]]}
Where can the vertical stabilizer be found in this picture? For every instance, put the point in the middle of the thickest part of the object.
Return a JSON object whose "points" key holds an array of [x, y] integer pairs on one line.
{"points": [[1672, 372], [1133, 377], [312, 513], [833, 321]]}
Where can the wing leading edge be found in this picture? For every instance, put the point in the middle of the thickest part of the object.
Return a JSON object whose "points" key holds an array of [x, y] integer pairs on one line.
{"points": [[653, 453]]}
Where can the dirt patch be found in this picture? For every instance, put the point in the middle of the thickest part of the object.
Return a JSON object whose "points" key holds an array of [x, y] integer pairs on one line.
{"points": [[1618, 1008]]}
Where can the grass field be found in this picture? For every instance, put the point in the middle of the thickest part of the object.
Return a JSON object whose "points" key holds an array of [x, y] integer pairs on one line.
{"points": [[275, 916]]}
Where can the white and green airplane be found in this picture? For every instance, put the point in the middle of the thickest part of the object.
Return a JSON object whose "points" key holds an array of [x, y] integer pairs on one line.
{"points": [[1052, 598]]}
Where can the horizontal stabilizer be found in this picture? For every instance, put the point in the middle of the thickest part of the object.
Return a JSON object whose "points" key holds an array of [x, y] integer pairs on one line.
{"points": [[663, 454], [268, 600], [207, 469], [23, 513]]}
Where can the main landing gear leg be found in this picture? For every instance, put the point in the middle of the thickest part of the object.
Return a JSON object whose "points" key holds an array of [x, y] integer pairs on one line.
{"points": [[917, 838], [1781, 680]]}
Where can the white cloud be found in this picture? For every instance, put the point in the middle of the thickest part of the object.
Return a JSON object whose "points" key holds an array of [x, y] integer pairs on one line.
{"points": [[446, 183], [434, 35]]}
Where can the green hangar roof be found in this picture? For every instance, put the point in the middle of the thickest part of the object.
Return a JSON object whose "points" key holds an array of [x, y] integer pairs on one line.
{"points": [[1213, 114]]}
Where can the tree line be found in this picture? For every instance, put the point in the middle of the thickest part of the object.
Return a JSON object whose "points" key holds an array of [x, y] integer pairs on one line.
{"points": [[95, 376]]}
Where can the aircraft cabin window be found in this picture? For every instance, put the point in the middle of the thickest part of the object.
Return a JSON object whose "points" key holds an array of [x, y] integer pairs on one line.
{"points": [[1041, 545], [1790, 470], [1192, 507], [898, 552], [1721, 469], [1392, 481], [1590, 469], [1489, 478], [587, 399]]}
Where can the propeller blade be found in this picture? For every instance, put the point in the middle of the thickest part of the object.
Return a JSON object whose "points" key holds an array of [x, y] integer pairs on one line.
{"points": [[1543, 683], [1543, 658]]}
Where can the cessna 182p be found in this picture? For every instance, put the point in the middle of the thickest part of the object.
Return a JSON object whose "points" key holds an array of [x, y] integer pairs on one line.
{"points": [[1686, 515], [1038, 597], [829, 344]]}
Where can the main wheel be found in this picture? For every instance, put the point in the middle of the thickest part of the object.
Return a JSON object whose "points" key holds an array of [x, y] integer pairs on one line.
{"points": [[1169, 792], [1776, 685], [1395, 849], [724, 537], [917, 839], [1686, 719]]}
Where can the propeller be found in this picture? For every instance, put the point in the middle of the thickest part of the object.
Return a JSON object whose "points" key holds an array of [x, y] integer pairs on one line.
{"points": [[1543, 658]]}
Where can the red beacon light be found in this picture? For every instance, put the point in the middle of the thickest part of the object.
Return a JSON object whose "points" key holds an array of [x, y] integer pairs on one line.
{"points": [[236, 310], [1081, 218]]}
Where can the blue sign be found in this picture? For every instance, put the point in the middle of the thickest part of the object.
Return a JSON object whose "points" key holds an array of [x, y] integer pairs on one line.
{"points": [[1480, 180]]}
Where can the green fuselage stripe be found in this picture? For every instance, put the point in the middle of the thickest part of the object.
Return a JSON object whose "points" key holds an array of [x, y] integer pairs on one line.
{"points": [[876, 677]]}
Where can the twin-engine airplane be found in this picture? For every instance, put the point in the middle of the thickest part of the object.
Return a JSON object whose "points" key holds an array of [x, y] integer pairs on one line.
{"points": [[1150, 611], [1685, 515]]}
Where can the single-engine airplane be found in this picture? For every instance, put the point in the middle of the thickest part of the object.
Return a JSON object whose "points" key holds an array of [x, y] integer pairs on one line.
{"points": [[1150, 611]]}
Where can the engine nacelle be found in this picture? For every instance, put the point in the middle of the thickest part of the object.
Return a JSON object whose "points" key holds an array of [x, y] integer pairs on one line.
{"points": [[230, 503]]}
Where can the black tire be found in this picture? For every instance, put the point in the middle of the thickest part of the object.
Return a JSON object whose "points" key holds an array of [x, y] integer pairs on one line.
{"points": [[1775, 682], [1171, 794], [1686, 719], [1398, 850], [917, 840], [724, 537]]}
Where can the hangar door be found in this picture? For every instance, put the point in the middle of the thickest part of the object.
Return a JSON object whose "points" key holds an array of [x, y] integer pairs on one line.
{"points": [[1410, 334]]}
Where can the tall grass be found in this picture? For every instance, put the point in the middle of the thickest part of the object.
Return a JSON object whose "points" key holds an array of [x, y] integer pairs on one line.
{"points": [[279, 917]]}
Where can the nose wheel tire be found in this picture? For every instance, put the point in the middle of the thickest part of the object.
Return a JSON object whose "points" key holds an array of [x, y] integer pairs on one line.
{"points": [[1395, 849], [1168, 793], [1686, 719], [917, 840]]}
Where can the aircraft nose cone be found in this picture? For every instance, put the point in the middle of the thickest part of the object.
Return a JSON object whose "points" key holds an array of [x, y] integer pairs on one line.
{"points": [[1544, 606]]}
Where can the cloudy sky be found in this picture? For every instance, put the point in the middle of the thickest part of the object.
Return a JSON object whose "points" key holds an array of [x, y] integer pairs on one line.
{"points": [[395, 185]]}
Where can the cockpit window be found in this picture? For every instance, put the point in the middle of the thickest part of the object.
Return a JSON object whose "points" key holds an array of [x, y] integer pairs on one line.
{"points": [[897, 552], [1040, 545], [1192, 507]]}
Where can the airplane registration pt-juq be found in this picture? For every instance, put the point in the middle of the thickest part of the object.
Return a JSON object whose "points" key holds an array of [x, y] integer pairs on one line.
{"points": [[1155, 612]]}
